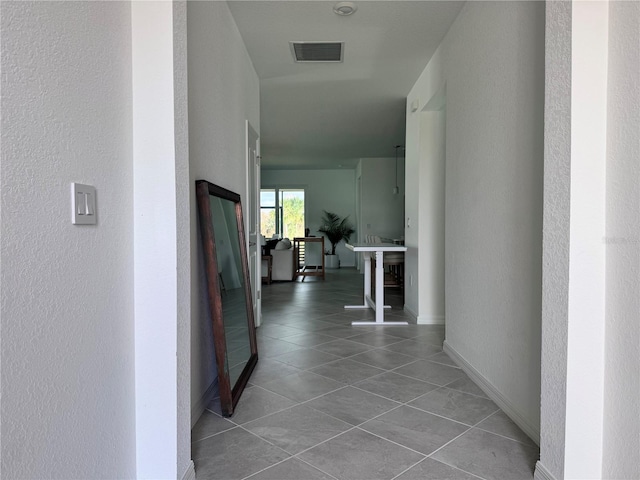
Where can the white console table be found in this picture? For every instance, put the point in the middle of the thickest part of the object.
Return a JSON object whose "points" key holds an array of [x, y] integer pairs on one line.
{"points": [[378, 305]]}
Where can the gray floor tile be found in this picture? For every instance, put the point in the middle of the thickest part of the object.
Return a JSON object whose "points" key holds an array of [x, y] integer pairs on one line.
{"points": [[375, 339], [415, 349], [406, 331], [396, 387], [257, 402], [297, 428], [209, 424], [384, 359], [442, 358], [466, 385], [501, 424], [414, 429], [291, 469], [340, 319], [310, 339], [306, 325], [276, 331], [233, 454], [272, 347], [352, 405], [303, 386], [431, 338], [306, 358], [346, 371], [339, 331], [490, 456], [268, 370], [311, 311], [431, 372], [358, 455], [358, 313], [455, 405], [343, 348], [430, 469]]}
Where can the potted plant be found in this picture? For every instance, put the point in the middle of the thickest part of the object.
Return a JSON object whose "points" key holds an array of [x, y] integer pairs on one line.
{"points": [[335, 229]]}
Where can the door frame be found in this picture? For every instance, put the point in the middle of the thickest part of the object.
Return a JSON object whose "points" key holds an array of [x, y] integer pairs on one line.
{"points": [[254, 245]]}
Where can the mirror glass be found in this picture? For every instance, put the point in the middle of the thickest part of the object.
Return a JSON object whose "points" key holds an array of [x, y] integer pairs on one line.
{"points": [[232, 286], [229, 290]]}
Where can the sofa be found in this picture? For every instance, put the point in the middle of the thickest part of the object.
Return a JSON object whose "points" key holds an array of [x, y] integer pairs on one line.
{"points": [[283, 265]]}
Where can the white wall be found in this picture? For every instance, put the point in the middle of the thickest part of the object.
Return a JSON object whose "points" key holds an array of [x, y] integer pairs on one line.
{"points": [[492, 62], [382, 211], [621, 456], [160, 204], [67, 291], [223, 93], [585, 322], [592, 224], [430, 249], [331, 190]]}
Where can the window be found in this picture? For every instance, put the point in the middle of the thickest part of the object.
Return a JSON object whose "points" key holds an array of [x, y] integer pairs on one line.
{"points": [[282, 212], [268, 213]]}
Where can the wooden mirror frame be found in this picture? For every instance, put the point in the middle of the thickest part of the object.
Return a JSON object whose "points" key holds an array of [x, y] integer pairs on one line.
{"points": [[229, 394]]}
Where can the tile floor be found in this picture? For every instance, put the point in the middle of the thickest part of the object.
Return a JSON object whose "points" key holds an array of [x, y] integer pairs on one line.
{"points": [[333, 401]]}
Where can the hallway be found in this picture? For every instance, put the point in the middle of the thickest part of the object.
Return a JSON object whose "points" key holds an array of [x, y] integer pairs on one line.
{"points": [[332, 401]]}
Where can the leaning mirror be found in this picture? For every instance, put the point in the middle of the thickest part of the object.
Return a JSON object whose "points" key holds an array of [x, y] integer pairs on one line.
{"points": [[228, 289]]}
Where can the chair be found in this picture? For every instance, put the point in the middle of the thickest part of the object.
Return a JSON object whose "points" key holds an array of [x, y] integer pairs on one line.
{"points": [[394, 276], [309, 256]]}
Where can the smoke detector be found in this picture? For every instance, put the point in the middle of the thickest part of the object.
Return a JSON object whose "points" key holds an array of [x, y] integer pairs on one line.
{"points": [[344, 8]]}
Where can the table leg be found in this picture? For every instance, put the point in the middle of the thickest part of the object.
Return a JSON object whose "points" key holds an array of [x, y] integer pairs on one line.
{"points": [[367, 282], [367, 277], [379, 287], [378, 305]]}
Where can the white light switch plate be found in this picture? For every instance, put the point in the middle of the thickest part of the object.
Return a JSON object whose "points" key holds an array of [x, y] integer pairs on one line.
{"points": [[83, 204]]}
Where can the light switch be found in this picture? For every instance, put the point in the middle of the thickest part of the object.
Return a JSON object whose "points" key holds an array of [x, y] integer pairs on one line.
{"points": [[83, 204]]}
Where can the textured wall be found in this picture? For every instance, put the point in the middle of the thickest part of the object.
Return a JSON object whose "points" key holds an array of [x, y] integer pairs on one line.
{"points": [[492, 60], [67, 291], [621, 456], [555, 281], [223, 93], [183, 236], [331, 190], [431, 254]]}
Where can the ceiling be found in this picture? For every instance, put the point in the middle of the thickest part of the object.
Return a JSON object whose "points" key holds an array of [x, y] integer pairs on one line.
{"points": [[328, 115]]}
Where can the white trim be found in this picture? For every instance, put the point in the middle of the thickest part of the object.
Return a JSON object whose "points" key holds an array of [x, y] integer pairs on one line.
{"points": [[541, 472], [198, 408], [190, 473], [493, 393], [430, 319]]}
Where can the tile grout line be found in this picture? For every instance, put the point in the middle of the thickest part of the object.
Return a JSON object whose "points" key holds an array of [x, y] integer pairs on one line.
{"points": [[477, 427], [407, 469]]}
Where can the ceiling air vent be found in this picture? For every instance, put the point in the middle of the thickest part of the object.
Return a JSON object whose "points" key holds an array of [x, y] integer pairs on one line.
{"points": [[317, 51]]}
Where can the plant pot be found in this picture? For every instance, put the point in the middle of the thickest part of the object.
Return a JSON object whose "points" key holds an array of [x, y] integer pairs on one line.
{"points": [[331, 261]]}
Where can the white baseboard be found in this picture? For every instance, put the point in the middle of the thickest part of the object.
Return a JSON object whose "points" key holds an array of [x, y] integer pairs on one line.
{"points": [[197, 409], [431, 319], [493, 393], [190, 473], [541, 472]]}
